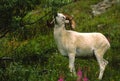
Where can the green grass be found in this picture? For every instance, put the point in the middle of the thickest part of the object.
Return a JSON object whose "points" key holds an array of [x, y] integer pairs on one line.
{"points": [[37, 58]]}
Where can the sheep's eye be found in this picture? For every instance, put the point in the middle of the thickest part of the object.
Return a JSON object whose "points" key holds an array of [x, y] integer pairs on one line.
{"points": [[63, 17]]}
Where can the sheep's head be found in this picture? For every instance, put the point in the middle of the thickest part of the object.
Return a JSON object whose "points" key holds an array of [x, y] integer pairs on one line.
{"points": [[64, 18], [60, 19]]}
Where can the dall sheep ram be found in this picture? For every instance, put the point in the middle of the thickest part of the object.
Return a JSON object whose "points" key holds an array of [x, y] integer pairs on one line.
{"points": [[72, 44]]}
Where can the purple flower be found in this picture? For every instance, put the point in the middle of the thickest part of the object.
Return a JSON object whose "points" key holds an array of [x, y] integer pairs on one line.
{"points": [[79, 73], [61, 79], [85, 79]]}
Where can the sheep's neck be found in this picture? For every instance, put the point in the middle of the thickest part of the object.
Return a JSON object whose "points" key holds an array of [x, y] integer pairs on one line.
{"points": [[59, 30]]}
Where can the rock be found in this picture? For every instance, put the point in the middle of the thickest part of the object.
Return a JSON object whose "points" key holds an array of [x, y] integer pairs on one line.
{"points": [[101, 7]]}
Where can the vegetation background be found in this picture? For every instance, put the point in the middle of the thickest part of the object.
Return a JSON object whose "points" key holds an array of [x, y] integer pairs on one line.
{"points": [[27, 48]]}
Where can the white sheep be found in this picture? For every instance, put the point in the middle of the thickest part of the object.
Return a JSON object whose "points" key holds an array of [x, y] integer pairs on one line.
{"points": [[72, 44]]}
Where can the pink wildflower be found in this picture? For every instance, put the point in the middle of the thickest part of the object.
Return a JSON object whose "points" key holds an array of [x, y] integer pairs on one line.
{"points": [[79, 74], [61, 79], [85, 79]]}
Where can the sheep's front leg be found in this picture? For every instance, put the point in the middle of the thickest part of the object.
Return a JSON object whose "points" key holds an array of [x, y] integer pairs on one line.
{"points": [[71, 63]]}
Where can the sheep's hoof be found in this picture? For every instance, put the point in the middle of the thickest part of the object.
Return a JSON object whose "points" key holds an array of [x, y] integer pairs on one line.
{"points": [[73, 74], [99, 78]]}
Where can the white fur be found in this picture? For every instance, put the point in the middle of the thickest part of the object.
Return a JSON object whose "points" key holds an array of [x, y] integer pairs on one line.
{"points": [[72, 44]]}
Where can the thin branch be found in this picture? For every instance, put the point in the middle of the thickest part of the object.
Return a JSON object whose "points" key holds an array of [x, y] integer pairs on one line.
{"points": [[3, 35]]}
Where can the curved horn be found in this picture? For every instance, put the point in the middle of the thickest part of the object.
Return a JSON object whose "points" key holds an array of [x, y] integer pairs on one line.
{"points": [[72, 22]]}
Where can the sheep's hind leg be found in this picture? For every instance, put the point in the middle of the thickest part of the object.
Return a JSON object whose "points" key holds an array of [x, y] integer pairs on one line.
{"points": [[101, 61], [102, 68]]}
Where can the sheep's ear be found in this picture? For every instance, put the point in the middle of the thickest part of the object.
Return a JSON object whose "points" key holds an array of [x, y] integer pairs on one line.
{"points": [[67, 21]]}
